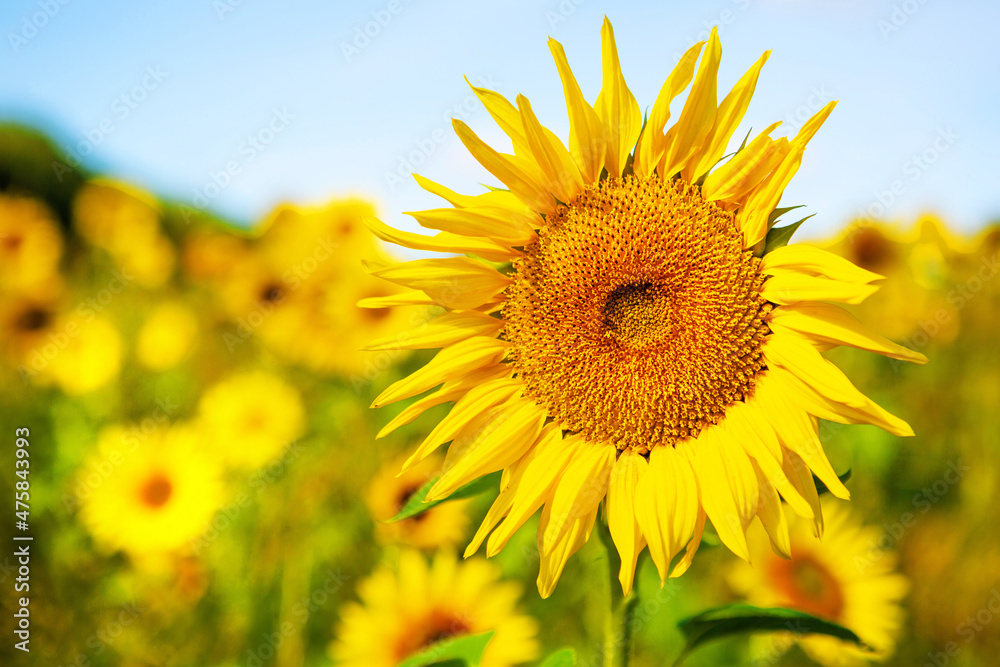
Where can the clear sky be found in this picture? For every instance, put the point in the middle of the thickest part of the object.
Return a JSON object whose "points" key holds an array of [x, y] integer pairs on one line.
{"points": [[302, 105]]}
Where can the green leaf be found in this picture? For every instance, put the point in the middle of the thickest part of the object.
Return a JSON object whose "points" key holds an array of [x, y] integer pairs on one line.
{"points": [[778, 212], [466, 651], [780, 236], [821, 487], [739, 618], [563, 658], [417, 505]]}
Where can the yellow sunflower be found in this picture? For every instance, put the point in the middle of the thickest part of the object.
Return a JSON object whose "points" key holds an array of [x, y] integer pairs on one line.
{"points": [[405, 610], [167, 336], [640, 347], [842, 579], [251, 418], [148, 491], [441, 526], [31, 243]]}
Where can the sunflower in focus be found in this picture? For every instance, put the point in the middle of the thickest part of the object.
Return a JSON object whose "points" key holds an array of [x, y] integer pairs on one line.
{"points": [[844, 579], [251, 417], [441, 526], [622, 335], [148, 492], [407, 609]]}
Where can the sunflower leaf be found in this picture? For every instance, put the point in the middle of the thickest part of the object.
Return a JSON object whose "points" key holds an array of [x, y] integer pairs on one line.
{"points": [[780, 236], [464, 651], [564, 658], [821, 487], [778, 212], [417, 504], [739, 618]]}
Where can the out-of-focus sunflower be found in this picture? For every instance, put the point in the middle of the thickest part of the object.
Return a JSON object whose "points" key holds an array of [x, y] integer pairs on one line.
{"points": [[31, 244], [28, 323], [441, 526], [91, 356], [125, 222], [166, 336], [843, 578], [150, 491], [405, 610], [250, 418], [641, 348]]}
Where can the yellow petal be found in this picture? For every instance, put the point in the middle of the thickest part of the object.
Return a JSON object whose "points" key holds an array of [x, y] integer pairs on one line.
{"points": [[490, 199], [517, 174], [505, 115], [557, 165], [728, 486], [450, 363], [414, 298], [801, 478], [666, 505], [616, 106], [509, 484], [652, 141], [543, 466], [745, 170], [789, 288], [587, 136], [727, 119], [473, 404], [580, 488], [502, 225], [511, 430], [551, 564], [833, 324], [443, 242], [454, 282], [810, 260], [753, 217], [771, 514], [625, 477], [698, 115], [442, 331], [692, 548]]}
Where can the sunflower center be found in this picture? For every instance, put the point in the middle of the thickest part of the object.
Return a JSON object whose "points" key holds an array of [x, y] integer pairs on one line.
{"points": [[156, 491], [636, 318], [808, 585]]}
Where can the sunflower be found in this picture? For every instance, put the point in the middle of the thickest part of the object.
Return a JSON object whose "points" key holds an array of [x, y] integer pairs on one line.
{"points": [[639, 347], [167, 336], [839, 580], [251, 418], [388, 493], [31, 243], [149, 491], [405, 610]]}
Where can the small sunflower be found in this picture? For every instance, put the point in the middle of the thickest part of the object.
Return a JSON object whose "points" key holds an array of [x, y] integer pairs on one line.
{"points": [[638, 347], [441, 526], [250, 418], [838, 579], [405, 610], [167, 336], [31, 243], [149, 491]]}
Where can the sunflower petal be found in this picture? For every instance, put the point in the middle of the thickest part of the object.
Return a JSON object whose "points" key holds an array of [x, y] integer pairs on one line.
{"points": [[666, 505], [499, 224], [580, 488], [454, 282], [555, 161], [442, 331], [443, 242], [587, 136], [698, 115], [810, 260], [789, 288], [505, 115], [771, 514], [626, 475], [616, 106], [551, 564], [741, 173]]}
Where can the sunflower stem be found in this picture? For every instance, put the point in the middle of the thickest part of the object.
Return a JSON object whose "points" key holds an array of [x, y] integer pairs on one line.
{"points": [[618, 620]]}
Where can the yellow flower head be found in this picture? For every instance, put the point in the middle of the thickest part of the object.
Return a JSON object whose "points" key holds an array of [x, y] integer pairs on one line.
{"points": [[166, 336], [844, 579], [89, 354], [125, 221], [405, 610], [31, 244], [251, 417], [149, 490], [641, 347], [441, 526]]}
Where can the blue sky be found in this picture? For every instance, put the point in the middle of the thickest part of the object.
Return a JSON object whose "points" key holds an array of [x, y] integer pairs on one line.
{"points": [[240, 104]]}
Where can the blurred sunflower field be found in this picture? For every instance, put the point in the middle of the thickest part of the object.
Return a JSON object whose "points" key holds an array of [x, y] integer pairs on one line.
{"points": [[200, 479]]}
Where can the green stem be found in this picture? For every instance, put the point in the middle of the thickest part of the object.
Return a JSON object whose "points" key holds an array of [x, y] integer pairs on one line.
{"points": [[618, 621]]}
